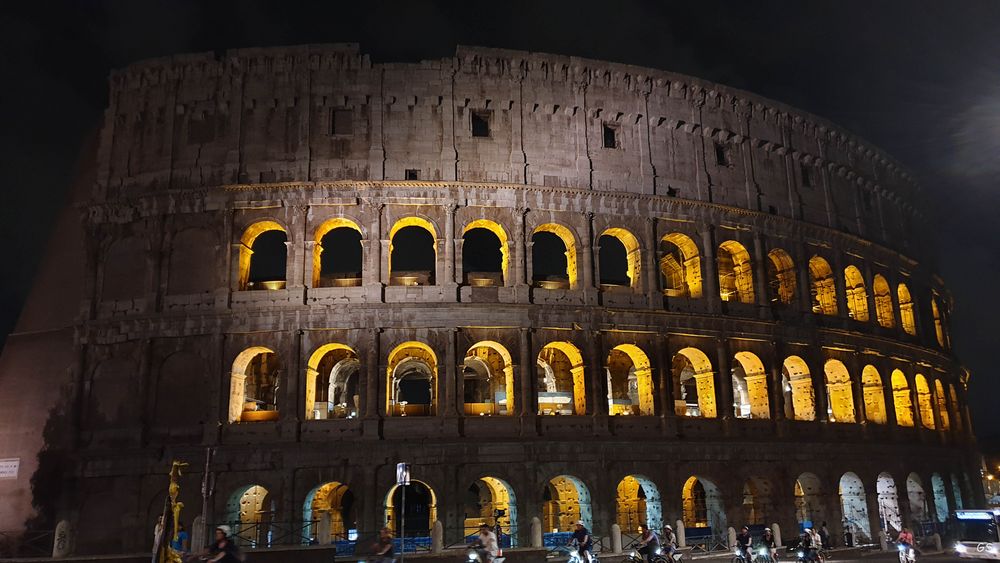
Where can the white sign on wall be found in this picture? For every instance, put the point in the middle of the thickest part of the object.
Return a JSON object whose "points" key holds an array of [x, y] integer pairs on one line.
{"points": [[9, 467]]}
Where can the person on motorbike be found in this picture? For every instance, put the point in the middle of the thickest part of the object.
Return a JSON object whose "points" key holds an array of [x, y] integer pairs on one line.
{"points": [[743, 544], [809, 546], [382, 549], [649, 543], [769, 542], [905, 537], [486, 544], [669, 540], [584, 542]]}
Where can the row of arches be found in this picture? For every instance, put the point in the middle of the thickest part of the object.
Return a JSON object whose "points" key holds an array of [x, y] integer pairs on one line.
{"points": [[489, 387], [330, 511]]}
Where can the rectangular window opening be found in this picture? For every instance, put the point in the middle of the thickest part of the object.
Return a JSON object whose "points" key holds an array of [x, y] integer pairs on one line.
{"points": [[412, 174], [480, 123], [721, 155], [341, 122], [610, 136], [806, 177]]}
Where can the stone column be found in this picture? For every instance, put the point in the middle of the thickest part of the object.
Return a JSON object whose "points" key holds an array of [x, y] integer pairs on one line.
{"points": [[840, 284], [372, 376], [760, 275], [519, 252], [449, 247], [805, 281], [449, 381], [723, 380], [650, 263], [598, 389], [857, 389], [664, 378], [866, 271], [526, 373], [817, 371], [774, 381], [372, 249], [710, 271], [888, 397], [587, 281]]}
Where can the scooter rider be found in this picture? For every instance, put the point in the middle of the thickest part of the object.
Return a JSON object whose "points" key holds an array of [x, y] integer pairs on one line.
{"points": [[584, 542], [669, 540], [768, 542], [486, 544], [648, 542], [809, 547], [743, 544]]}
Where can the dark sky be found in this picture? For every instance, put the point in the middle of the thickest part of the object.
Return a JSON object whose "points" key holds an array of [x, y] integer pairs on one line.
{"points": [[920, 79]]}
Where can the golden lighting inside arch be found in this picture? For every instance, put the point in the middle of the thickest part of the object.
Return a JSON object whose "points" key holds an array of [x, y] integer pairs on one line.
{"points": [[924, 401], [693, 375], [735, 273], [569, 242], [499, 366], [883, 302], [800, 387], [630, 391], [322, 231], [339, 352], [942, 405], [416, 492], [750, 387], [871, 385], [781, 270], [632, 256], [839, 392], [938, 323], [501, 234], [680, 266], [821, 287], [326, 511], [494, 495], [410, 361], [257, 363], [246, 247], [412, 221], [857, 296], [562, 367], [901, 399], [906, 315]]}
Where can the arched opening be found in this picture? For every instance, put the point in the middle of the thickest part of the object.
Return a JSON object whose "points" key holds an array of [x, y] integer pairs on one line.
{"points": [[888, 503], [561, 386], [924, 402], [883, 302], [418, 515], [332, 383], [874, 395], [901, 399], [263, 256], [822, 287], [488, 379], [955, 407], [906, 317], [938, 323], [854, 506], [249, 513], [337, 254], [485, 254], [797, 386], [254, 386], [780, 277], [491, 501], [329, 513], [942, 405], [839, 392], [702, 508], [749, 387], [757, 506], [680, 266], [808, 500], [857, 296], [412, 252], [412, 380], [619, 258], [917, 498], [565, 500], [638, 505], [553, 257], [630, 381], [956, 492], [694, 382], [735, 273], [941, 510]]}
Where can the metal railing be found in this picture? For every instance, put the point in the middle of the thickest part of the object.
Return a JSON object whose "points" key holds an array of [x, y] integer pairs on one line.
{"points": [[30, 543]]}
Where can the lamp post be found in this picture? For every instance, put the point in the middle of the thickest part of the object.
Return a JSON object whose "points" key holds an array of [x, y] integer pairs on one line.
{"points": [[402, 480]]}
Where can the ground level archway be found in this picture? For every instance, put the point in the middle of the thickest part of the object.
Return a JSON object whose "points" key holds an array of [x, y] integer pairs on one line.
{"points": [[854, 507], [565, 500], [420, 511], [638, 504]]}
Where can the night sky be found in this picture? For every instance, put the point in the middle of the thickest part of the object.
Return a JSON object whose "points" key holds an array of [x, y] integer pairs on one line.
{"points": [[919, 79]]}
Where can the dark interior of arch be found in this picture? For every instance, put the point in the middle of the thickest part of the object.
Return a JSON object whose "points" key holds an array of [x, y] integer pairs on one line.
{"points": [[341, 253], [613, 261], [417, 512], [548, 258], [413, 251], [269, 258], [415, 389], [481, 252]]}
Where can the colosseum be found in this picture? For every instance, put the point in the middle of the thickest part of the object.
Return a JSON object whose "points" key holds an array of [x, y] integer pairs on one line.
{"points": [[559, 288]]}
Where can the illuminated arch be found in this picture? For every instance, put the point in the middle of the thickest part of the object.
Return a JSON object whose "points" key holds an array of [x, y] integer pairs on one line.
{"points": [[501, 235], [254, 400], [324, 229], [781, 277], [808, 500], [883, 302], [423, 500], [757, 504], [411, 363], [942, 405], [874, 395], [330, 390], [821, 287], [917, 498], [857, 296], [924, 401], [797, 385], [906, 316], [735, 273], [490, 368], [567, 385], [941, 509], [701, 505], [485, 498], [901, 399], [638, 504], [750, 387], [854, 506], [329, 512], [630, 387], [632, 256], [680, 266], [939, 332], [694, 379], [569, 242], [420, 223], [839, 392], [250, 236], [565, 500], [249, 512], [888, 502]]}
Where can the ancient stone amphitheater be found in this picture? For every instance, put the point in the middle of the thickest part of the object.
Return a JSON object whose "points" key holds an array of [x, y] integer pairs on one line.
{"points": [[560, 288]]}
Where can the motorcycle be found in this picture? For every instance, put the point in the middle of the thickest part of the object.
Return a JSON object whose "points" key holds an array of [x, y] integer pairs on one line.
{"points": [[906, 553], [764, 555], [739, 557], [574, 555], [474, 555], [804, 556], [656, 556]]}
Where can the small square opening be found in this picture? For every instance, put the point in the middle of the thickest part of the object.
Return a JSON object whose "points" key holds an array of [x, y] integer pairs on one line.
{"points": [[480, 124], [412, 174], [721, 155], [806, 176], [341, 122], [610, 136]]}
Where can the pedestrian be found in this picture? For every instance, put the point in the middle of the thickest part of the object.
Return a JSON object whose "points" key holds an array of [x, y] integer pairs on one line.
{"points": [[157, 533], [182, 544], [824, 535]]}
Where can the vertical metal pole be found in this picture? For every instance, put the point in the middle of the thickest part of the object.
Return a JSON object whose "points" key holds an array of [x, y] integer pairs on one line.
{"points": [[402, 527], [205, 493]]}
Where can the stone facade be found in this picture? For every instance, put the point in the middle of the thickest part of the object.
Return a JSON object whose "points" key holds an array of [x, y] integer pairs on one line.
{"points": [[726, 207]]}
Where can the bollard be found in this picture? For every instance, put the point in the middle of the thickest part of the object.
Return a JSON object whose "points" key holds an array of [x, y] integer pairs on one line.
{"points": [[536, 532], [883, 540], [62, 544], [198, 532], [776, 530], [679, 532], [936, 539], [616, 538], [437, 537], [732, 538]]}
